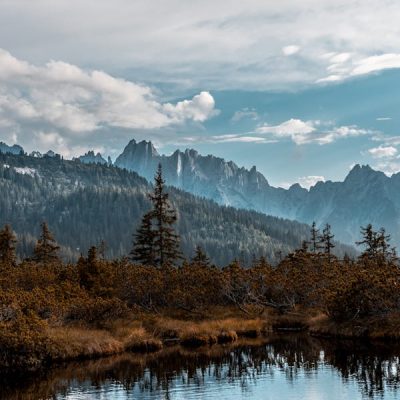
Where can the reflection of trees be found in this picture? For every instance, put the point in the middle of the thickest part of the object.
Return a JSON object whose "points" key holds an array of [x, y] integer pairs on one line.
{"points": [[374, 367]]}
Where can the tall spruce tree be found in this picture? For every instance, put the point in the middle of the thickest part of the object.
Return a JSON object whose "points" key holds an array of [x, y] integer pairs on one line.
{"points": [[46, 249], [383, 246], [315, 243], [377, 246], [369, 241], [8, 241], [143, 244], [156, 241], [327, 240]]}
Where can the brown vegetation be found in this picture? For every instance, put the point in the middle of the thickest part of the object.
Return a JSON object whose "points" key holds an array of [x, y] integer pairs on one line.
{"points": [[52, 311]]}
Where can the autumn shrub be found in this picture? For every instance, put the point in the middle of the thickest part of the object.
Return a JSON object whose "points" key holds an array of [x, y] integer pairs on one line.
{"points": [[97, 310], [23, 342], [370, 290]]}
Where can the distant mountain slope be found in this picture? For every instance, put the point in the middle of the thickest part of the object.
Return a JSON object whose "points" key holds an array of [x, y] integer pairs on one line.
{"points": [[85, 203], [15, 149], [91, 158], [365, 196]]}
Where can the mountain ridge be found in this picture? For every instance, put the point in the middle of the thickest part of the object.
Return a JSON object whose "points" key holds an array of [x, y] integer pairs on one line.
{"points": [[364, 196], [338, 203]]}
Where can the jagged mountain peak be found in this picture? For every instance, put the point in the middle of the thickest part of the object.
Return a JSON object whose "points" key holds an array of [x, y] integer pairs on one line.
{"points": [[142, 146], [91, 158], [361, 173]]}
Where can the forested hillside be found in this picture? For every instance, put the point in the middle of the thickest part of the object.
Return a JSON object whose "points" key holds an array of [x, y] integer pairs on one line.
{"points": [[85, 204]]}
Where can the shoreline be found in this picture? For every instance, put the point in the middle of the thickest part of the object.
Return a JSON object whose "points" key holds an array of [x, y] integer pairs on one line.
{"points": [[152, 333]]}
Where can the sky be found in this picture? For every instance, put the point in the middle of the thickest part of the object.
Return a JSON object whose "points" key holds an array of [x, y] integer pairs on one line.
{"points": [[302, 90]]}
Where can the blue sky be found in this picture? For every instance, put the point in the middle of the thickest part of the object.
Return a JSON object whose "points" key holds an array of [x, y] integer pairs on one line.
{"points": [[303, 90]]}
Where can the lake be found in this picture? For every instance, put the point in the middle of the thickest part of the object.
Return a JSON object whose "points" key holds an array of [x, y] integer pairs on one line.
{"points": [[281, 367]]}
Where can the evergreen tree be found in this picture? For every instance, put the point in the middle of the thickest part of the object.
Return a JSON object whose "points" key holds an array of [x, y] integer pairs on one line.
{"points": [[315, 244], [7, 246], [383, 246], [46, 249], [143, 248], [377, 245], [369, 241], [156, 241], [200, 257], [92, 255], [166, 241], [327, 240]]}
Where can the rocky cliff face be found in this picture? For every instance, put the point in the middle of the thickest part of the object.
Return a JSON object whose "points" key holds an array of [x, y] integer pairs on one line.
{"points": [[365, 196]]}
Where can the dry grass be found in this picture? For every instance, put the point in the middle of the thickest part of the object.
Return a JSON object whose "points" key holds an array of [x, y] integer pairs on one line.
{"points": [[79, 342], [71, 342], [208, 332]]}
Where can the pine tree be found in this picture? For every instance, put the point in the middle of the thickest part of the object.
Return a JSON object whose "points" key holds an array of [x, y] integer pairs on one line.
{"points": [[143, 247], [46, 249], [370, 241], [376, 244], [92, 255], [7, 246], [315, 245], [156, 242], [200, 257], [383, 246], [327, 240]]}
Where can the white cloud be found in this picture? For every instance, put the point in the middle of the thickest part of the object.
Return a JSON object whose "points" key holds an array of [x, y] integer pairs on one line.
{"points": [[303, 132], [193, 44], [383, 118], [290, 50], [389, 167], [238, 139], [376, 63], [339, 58], [249, 113], [59, 102], [227, 138], [311, 180], [296, 129], [383, 151], [200, 108], [346, 65], [387, 140]]}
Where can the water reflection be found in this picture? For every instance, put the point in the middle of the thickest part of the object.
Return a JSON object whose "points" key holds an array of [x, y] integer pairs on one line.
{"points": [[284, 366]]}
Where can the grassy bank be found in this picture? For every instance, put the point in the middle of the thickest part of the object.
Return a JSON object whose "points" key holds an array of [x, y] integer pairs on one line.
{"points": [[32, 347]]}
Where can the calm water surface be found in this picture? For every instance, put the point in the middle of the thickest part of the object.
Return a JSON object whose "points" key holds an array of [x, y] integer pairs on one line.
{"points": [[283, 367]]}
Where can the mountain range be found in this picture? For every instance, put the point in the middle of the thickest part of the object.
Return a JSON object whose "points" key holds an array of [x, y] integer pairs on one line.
{"points": [[85, 203], [365, 196]]}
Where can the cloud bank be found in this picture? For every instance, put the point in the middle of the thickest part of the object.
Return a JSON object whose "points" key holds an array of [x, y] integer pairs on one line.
{"points": [[224, 45], [304, 132], [59, 103]]}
